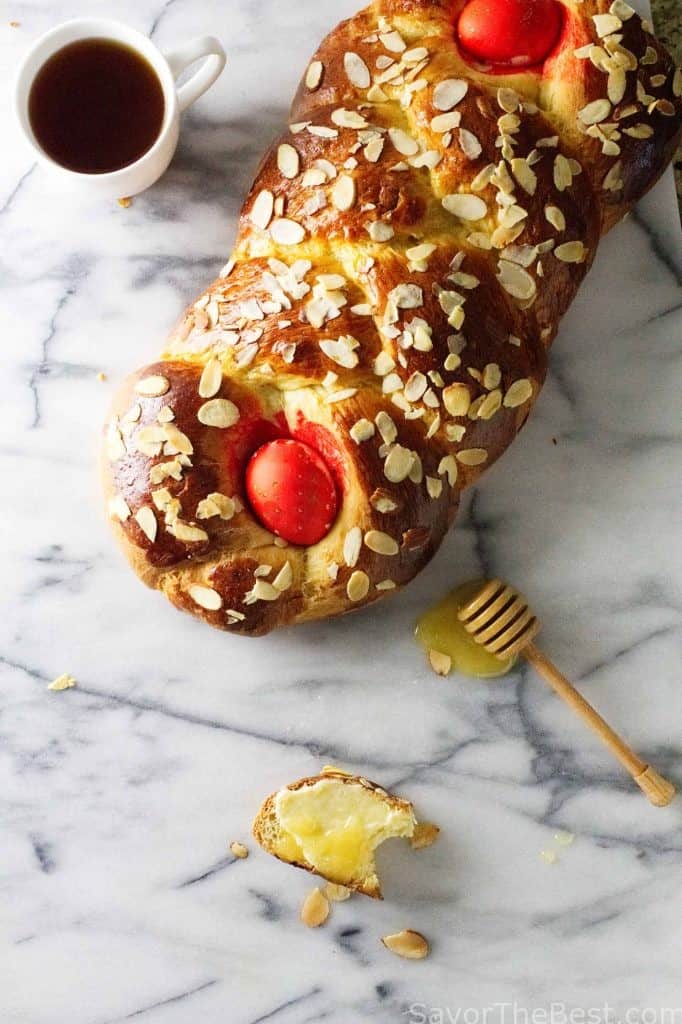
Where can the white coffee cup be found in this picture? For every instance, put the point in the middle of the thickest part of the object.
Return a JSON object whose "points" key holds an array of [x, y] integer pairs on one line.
{"points": [[135, 177]]}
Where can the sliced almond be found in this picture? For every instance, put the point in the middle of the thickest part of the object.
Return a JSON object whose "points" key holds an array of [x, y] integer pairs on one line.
{"points": [[621, 10], [343, 192], [147, 522], [443, 123], [508, 99], [186, 533], [434, 485], [465, 206], [515, 280], [393, 41], [469, 144], [345, 119], [613, 179], [284, 578], [418, 253], [606, 24], [264, 591], [386, 427], [381, 543], [595, 112], [639, 131], [262, 209], [375, 94], [403, 141], [211, 379], [555, 217], [483, 178], [448, 467], [177, 443], [314, 74], [358, 586], [571, 252], [440, 663], [398, 464], [315, 909], [153, 386], [286, 232], [409, 944], [383, 502], [490, 405], [119, 508], [379, 231], [217, 504], [206, 597], [352, 545], [472, 456], [218, 412], [563, 176], [449, 92], [288, 160], [373, 150], [525, 175], [362, 430], [356, 70], [456, 399], [492, 376], [616, 84], [518, 393]]}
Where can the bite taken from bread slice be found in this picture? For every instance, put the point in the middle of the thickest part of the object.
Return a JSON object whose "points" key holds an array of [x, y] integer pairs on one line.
{"points": [[331, 824]]}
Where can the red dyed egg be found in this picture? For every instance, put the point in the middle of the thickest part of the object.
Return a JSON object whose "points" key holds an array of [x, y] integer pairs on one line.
{"points": [[517, 32], [292, 491]]}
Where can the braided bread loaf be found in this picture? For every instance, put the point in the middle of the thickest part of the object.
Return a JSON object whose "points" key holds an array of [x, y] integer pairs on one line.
{"points": [[403, 260]]}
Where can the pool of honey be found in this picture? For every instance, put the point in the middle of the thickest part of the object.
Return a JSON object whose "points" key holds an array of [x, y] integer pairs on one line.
{"points": [[439, 629]]}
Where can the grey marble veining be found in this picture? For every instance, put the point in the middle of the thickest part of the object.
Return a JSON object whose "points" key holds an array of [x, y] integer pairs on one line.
{"points": [[118, 899]]}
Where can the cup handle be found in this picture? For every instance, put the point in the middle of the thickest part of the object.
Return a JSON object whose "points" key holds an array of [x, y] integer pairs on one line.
{"points": [[205, 76]]}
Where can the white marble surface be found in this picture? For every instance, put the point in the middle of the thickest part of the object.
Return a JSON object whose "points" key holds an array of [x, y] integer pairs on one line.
{"points": [[118, 799]]}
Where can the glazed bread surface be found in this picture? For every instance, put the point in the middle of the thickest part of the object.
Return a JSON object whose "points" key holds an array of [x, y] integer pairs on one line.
{"points": [[404, 257]]}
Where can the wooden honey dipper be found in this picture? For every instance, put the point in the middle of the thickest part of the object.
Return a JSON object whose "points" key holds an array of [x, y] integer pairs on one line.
{"points": [[499, 619]]}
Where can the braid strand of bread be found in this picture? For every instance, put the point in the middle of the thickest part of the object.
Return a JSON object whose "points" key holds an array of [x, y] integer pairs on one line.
{"points": [[403, 260]]}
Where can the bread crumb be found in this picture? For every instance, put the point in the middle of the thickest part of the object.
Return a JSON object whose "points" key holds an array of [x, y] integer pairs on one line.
{"points": [[564, 838], [101, 376], [315, 909], [14, 24], [549, 856], [239, 850], [125, 202], [425, 834], [62, 682]]}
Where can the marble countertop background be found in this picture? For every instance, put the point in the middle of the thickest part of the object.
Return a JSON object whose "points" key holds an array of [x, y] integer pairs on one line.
{"points": [[119, 900]]}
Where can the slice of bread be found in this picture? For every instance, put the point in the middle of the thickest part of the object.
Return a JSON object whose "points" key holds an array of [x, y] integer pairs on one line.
{"points": [[331, 824]]}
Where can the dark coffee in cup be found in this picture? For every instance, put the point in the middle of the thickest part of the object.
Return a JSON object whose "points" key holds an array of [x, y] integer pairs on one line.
{"points": [[96, 106]]}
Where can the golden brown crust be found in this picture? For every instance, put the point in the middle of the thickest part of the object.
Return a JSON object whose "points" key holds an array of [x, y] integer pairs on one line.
{"points": [[367, 314]]}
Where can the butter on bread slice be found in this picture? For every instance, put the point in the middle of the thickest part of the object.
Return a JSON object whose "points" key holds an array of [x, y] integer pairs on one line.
{"points": [[331, 824]]}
